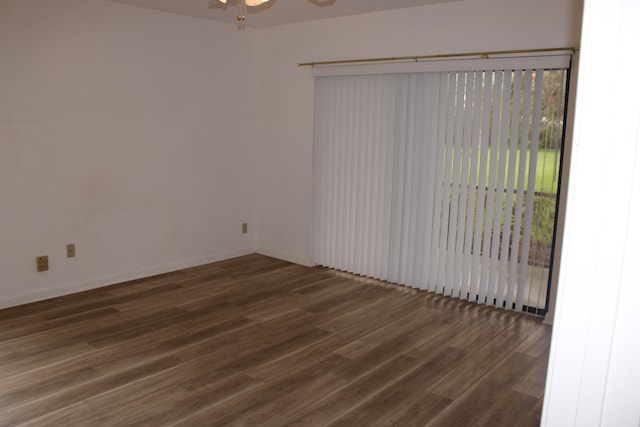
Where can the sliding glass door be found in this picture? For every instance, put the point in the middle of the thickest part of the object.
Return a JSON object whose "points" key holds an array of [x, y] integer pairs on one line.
{"points": [[445, 181]]}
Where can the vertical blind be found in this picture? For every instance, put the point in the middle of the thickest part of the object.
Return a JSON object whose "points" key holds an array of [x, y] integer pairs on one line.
{"points": [[427, 179]]}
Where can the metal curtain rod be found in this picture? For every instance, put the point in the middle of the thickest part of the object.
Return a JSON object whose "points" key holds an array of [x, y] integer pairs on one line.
{"points": [[446, 55]]}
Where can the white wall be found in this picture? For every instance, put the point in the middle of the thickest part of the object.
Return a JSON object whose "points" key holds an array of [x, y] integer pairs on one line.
{"points": [[285, 123], [131, 132], [594, 366], [125, 131]]}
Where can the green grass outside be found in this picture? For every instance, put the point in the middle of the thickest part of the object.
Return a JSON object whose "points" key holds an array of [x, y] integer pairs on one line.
{"points": [[546, 170], [544, 207]]}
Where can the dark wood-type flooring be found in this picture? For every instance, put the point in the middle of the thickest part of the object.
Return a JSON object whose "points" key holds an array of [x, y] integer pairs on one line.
{"points": [[255, 341]]}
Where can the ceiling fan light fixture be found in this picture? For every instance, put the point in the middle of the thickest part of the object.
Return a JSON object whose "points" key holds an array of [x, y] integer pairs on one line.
{"points": [[242, 7], [248, 2]]}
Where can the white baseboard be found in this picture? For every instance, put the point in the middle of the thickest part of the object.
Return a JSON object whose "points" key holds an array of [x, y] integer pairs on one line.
{"points": [[285, 256], [99, 282]]}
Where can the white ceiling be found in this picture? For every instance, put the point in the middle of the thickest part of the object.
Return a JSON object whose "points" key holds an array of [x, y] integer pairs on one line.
{"points": [[275, 12]]}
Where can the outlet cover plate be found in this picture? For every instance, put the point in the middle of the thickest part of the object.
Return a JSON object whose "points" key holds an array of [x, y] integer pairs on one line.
{"points": [[42, 263]]}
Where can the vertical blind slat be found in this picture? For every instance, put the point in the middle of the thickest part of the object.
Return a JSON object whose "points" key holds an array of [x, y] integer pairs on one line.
{"points": [[510, 187], [524, 146], [473, 207], [479, 232], [491, 188], [465, 189], [436, 249], [446, 187], [499, 200], [430, 134], [413, 182], [457, 99], [533, 161]]}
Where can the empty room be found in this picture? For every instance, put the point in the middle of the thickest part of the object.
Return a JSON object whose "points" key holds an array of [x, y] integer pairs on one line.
{"points": [[318, 212]]}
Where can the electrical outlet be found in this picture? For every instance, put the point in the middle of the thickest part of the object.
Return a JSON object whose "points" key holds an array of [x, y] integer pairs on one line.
{"points": [[245, 228], [42, 263], [71, 250]]}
